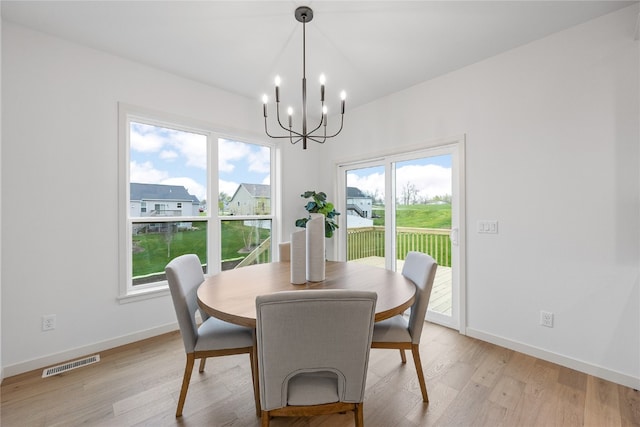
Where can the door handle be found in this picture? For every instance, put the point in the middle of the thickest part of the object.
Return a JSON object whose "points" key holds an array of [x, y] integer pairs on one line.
{"points": [[453, 235]]}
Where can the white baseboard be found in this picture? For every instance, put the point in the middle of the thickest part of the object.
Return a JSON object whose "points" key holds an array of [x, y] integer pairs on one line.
{"points": [[75, 353], [578, 365]]}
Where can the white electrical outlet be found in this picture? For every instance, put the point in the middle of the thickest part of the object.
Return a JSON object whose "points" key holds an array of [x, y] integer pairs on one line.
{"points": [[49, 322], [546, 318]]}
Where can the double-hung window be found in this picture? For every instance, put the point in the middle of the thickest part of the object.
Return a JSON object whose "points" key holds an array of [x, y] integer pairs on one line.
{"points": [[187, 188]]}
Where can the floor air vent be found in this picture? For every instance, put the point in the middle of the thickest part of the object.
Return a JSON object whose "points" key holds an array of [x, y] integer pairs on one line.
{"points": [[55, 370]]}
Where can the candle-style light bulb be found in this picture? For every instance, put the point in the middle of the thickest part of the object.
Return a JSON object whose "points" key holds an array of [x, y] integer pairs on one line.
{"points": [[290, 113], [277, 88], [265, 99], [322, 80], [343, 96], [324, 115]]}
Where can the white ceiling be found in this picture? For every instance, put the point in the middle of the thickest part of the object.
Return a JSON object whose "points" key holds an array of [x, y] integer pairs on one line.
{"points": [[368, 48]]}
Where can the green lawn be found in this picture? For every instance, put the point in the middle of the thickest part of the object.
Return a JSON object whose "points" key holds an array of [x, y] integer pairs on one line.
{"points": [[419, 216], [152, 251]]}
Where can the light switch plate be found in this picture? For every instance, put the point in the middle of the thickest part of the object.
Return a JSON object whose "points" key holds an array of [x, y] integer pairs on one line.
{"points": [[488, 226]]}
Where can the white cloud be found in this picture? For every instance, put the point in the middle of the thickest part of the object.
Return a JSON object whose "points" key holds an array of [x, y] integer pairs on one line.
{"points": [[168, 155], [228, 187], [193, 147], [429, 180], [145, 173], [229, 152], [370, 184], [146, 139], [260, 160]]}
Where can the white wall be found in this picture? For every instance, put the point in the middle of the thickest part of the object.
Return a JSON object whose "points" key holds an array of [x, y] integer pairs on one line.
{"points": [[60, 153], [552, 153]]}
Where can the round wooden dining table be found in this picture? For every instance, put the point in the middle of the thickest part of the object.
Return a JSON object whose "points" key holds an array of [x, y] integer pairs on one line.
{"points": [[231, 294]]}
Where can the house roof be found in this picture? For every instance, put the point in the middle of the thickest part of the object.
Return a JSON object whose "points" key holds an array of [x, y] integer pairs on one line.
{"points": [[353, 192], [160, 192], [255, 190]]}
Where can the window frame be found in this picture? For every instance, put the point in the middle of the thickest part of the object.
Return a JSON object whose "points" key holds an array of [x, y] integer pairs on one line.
{"points": [[127, 292]]}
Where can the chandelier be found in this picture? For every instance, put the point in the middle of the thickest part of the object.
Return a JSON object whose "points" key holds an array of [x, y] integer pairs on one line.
{"points": [[303, 14]]}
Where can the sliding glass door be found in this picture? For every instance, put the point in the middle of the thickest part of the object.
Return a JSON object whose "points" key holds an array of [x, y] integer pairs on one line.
{"points": [[408, 202]]}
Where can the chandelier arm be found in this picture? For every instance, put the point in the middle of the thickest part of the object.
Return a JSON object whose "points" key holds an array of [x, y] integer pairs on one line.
{"points": [[317, 127], [319, 141], [282, 126], [339, 130]]}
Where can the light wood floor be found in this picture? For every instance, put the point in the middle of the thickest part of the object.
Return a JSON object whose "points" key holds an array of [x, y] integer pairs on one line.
{"points": [[470, 383]]}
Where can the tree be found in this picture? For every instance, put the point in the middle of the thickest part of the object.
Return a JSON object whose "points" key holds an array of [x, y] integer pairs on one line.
{"points": [[409, 193], [223, 200]]}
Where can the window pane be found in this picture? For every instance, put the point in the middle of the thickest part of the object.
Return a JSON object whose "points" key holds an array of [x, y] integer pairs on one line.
{"points": [[244, 178], [245, 242], [365, 215], [154, 244], [167, 172], [423, 219]]}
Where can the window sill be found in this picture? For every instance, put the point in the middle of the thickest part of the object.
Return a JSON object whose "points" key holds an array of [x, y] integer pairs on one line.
{"points": [[135, 295]]}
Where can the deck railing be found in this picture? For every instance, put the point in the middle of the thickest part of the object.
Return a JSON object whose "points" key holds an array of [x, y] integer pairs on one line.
{"points": [[366, 242]]}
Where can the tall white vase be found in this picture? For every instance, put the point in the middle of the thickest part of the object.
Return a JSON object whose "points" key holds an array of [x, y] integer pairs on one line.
{"points": [[298, 257], [315, 248]]}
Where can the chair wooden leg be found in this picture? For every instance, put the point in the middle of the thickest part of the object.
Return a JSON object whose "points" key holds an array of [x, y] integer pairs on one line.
{"points": [[254, 380], [402, 356], [202, 362], [265, 419], [185, 383], [359, 414], [415, 350]]}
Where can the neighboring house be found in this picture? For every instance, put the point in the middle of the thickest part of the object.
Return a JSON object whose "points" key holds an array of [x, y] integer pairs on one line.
{"points": [[251, 199], [359, 208], [156, 200]]}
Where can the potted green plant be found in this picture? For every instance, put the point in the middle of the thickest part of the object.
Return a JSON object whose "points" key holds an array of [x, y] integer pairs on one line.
{"points": [[319, 204]]}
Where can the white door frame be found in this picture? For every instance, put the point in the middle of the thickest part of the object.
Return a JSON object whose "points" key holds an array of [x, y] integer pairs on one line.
{"points": [[454, 146]]}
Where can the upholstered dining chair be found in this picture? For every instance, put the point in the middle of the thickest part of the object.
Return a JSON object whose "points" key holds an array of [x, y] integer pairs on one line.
{"points": [[284, 251], [213, 337], [313, 351], [397, 332]]}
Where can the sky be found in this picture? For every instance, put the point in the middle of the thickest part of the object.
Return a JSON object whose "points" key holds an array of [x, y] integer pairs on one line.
{"points": [[431, 176], [174, 157]]}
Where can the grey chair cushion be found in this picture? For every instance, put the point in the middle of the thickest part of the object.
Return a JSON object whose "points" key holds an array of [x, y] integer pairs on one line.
{"points": [[216, 334], [310, 331], [184, 274], [395, 329]]}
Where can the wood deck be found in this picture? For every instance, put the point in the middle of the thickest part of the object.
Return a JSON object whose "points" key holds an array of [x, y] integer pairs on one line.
{"points": [[440, 301]]}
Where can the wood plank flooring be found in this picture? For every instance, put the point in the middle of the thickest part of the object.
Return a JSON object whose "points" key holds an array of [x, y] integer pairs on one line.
{"points": [[470, 383]]}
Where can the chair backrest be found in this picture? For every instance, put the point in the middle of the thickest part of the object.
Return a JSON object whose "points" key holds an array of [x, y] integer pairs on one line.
{"points": [[420, 268], [184, 275], [313, 331]]}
